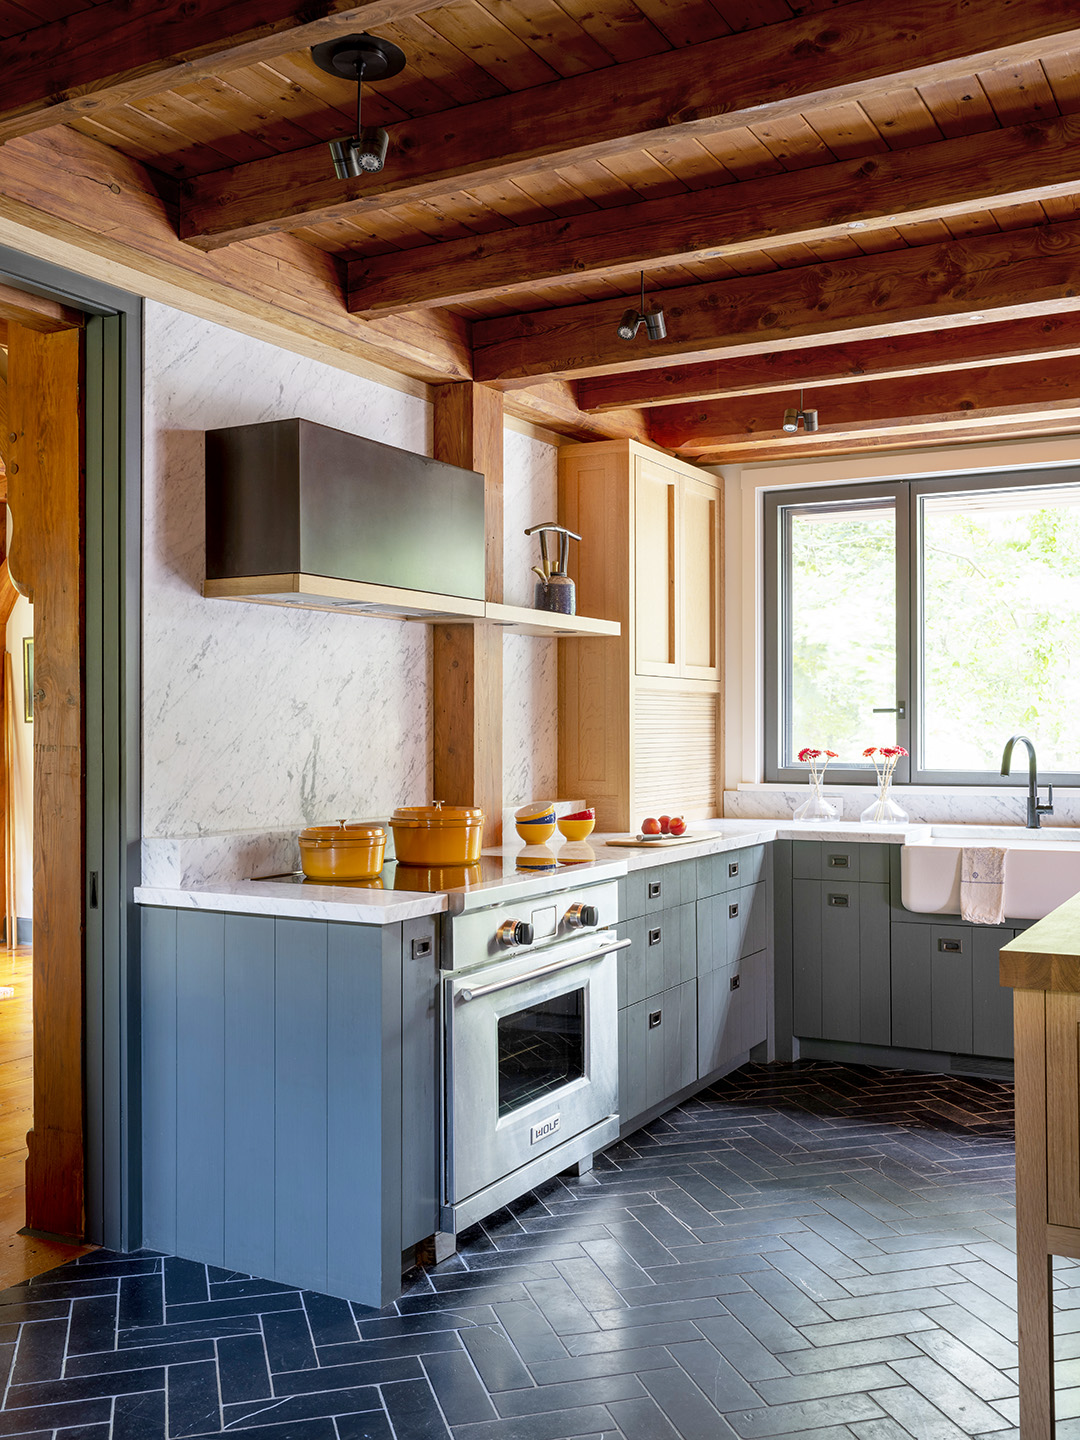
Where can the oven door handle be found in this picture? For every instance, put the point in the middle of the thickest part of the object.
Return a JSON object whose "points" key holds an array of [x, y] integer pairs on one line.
{"points": [[475, 992]]}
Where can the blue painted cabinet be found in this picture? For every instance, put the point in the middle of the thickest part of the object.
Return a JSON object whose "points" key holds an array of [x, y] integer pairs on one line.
{"points": [[289, 1089]]}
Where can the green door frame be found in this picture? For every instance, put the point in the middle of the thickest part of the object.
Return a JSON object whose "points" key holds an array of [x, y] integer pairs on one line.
{"points": [[113, 537]]}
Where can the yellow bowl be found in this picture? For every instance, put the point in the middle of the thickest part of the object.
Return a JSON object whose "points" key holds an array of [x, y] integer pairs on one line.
{"points": [[535, 832], [576, 829]]}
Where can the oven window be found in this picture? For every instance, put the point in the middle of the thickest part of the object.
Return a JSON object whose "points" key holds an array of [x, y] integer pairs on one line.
{"points": [[541, 1048]]}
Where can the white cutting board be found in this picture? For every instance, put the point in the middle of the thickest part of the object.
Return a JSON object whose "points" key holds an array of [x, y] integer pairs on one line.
{"points": [[658, 844]]}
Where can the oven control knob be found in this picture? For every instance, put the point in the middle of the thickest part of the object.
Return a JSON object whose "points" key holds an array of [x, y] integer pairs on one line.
{"points": [[581, 916], [514, 932]]}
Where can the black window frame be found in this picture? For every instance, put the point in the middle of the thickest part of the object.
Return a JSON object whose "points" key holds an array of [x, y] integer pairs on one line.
{"points": [[907, 495]]}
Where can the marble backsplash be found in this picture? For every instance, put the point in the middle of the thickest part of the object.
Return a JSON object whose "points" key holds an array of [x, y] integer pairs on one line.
{"points": [[259, 719], [975, 806]]}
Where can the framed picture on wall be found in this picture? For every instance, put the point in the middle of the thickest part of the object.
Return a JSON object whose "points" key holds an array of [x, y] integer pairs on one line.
{"points": [[28, 678]]}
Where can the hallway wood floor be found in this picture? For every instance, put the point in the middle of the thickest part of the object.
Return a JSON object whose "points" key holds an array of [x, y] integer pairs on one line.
{"points": [[21, 1256]]}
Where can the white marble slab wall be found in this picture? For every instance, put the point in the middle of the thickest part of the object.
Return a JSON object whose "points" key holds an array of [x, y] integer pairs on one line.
{"points": [[259, 719], [530, 671], [975, 806]]}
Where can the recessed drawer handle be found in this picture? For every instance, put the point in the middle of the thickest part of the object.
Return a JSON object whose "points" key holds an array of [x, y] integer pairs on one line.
{"points": [[951, 947], [839, 862], [733, 869], [842, 900], [421, 948], [655, 1017], [654, 889], [733, 911], [654, 936], [734, 985]]}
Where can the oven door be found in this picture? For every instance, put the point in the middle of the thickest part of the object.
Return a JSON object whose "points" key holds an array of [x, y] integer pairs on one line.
{"points": [[532, 1058]]}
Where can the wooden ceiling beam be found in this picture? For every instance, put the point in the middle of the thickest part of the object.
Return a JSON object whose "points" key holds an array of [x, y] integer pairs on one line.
{"points": [[787, 448], [867, 48], [123, 50], [1001, 276], [972, 346], [1049, 392], [928, 182]]}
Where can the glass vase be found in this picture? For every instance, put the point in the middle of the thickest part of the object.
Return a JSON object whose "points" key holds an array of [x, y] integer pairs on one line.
{"points": [[883, 809], [816, 807]]}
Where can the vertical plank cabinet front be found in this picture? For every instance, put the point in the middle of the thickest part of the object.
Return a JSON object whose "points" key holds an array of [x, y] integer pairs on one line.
{"points": [[633, 1083], [300, 1102], [950, 988], [159, 1072], [250, 1049], [655, 622], [699, 578], [875, 962], [420, 1045], [719, 1004], [1063, 1109], [806, 954], [840, 980], [911, 975], [991, 1002], [200, 1085]]}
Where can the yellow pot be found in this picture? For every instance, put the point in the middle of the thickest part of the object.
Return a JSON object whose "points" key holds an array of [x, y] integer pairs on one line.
{"points": [[343, 851], [437, 834]]}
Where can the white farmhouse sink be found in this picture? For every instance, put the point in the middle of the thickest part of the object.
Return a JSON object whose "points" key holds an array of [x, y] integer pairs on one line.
{"points": [[1042, 868]]}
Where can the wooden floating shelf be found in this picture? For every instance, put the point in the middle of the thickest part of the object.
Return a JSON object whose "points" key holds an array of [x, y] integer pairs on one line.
{"points": [[520, 620], [354, 597]]}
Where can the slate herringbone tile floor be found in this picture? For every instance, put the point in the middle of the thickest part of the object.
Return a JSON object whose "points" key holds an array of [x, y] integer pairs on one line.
{"points": [[816, 1250]]}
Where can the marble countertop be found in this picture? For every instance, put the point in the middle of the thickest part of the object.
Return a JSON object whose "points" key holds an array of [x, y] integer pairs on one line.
{"points": [[284, 897]]}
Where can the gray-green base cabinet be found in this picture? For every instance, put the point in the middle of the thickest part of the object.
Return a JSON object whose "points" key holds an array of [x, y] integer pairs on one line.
{"points": [[289, 1096], [864, 971], [693, 986]]}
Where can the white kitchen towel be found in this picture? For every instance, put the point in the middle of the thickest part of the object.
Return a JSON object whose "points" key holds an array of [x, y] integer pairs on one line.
{"points": [[982, 885]]}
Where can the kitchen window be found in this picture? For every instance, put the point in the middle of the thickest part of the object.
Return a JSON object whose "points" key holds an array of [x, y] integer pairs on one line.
{"points": [[942, 615]]}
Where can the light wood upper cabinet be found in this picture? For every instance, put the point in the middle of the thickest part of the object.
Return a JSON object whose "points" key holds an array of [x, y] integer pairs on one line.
{"points": [[656, 606], [639, 717]]}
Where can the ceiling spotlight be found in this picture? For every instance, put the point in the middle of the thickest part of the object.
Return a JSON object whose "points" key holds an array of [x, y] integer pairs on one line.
{"points": [[632, 320], [792, 417], [359, 58], [630, 324]]}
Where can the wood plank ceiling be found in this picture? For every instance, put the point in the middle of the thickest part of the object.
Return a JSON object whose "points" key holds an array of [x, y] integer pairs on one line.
{"points": [[876, 200]]}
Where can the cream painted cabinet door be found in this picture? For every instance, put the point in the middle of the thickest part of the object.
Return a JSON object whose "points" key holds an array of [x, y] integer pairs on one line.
{"points": [[655, 602], [698, 570]]}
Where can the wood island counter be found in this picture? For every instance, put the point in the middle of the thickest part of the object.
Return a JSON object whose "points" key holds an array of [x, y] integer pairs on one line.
{"points": [[1043, 968]]}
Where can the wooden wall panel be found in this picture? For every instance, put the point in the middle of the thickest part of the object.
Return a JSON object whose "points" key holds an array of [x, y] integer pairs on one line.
{"points": [[45, 497]]}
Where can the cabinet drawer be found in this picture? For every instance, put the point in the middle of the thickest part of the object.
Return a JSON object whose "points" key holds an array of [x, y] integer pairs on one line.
{"points": [[841, 961], [657, 1049], [932, 987], [658, 888], [822, 860], [732, 1012], [662, 953], [716, 874], [730, 926]]}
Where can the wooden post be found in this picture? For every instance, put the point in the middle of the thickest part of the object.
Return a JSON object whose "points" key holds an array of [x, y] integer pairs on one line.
{"points": [[45, 468], [1034, 1264], [468, 671]]}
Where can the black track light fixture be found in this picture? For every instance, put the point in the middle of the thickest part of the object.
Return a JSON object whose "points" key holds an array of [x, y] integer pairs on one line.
{"points": [[792, 418], [632, 320], [359, 58]]}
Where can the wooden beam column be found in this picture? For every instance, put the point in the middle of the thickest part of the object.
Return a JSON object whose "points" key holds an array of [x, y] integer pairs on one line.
{"points": [[468, 666], [45, 469]]}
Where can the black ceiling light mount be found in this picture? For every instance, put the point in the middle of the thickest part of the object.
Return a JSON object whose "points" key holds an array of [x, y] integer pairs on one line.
{"points": [[359, 58], [632, 320], [792, 417]]}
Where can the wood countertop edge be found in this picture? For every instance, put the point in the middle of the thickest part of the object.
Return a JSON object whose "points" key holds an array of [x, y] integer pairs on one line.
{"points": [[1046, 956]]}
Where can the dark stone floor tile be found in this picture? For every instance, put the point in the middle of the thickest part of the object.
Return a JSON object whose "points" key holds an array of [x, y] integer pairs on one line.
{"points": [[93, 1325], [370, 1425], [44, 1419], [105, 1362], [341, 1377], [139, 1417], [192, 1397], [41, 1350], [242, 1369], [462, 1395], [499, 1365], [571, 1394], [142, 1300], [288, 1341], [414, 1412], [692, 1415], [186, 1282], [297, 1409], [642, 1420], [393, 1347], [590, 1420], [529, 1331]]}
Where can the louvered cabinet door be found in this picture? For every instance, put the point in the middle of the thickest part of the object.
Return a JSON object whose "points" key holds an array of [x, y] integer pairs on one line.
{"points": [[674, 745]]}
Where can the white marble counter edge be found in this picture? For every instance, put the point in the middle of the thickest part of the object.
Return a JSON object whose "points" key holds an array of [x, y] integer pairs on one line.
{"points": [[739, 834], [264, 897]]}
